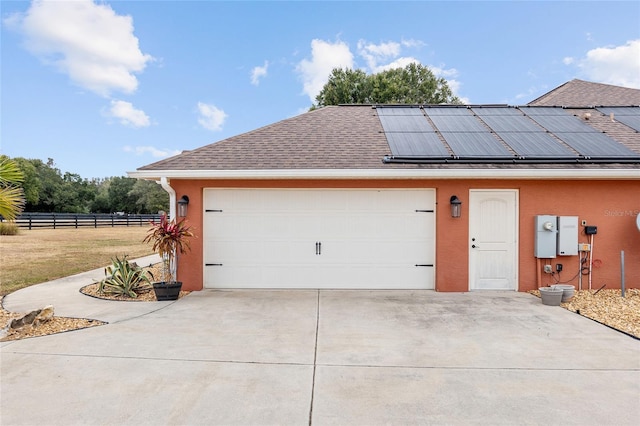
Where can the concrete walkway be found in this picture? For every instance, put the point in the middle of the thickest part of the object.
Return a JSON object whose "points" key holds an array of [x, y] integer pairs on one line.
{"points": [[324, 357], [64, 294]]}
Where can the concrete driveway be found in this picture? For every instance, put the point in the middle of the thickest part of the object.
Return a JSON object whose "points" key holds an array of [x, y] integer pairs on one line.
{"points": [[328, 357]]}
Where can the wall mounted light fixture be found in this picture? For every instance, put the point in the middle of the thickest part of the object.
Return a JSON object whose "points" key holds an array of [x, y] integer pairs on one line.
{"points": [[456, 206], [182, 206]]}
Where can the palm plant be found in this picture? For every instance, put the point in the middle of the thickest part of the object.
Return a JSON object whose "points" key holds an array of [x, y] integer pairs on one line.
{"points": [[11, 194], [169, 238]]}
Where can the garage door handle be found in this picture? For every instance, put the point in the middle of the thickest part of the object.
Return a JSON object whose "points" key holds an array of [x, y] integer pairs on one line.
{"points": [[474, 246], [318, 248]]}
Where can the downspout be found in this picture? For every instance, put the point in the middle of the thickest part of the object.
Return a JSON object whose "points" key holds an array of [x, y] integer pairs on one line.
{"points": [[164, 182], [172, 197]]}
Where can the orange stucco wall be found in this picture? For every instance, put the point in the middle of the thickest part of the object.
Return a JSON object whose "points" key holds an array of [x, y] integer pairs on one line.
{"points": [[612, 206]]}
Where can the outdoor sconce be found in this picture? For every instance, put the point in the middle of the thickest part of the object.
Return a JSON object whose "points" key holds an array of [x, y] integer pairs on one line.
{"points": [[456, 206], [182, 206]]}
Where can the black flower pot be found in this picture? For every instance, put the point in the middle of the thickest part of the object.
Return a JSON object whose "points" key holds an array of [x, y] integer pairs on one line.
{"points": [[167, 291]]}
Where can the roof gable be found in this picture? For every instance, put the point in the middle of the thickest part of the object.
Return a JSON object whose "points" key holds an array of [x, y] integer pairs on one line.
{"points": [[329, 137], [580, 93]]}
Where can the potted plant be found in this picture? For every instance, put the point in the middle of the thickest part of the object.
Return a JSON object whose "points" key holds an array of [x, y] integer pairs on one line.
{"points": [[169, 238]]}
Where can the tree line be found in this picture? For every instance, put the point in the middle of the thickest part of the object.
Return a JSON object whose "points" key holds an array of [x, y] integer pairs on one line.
{"points": [[46, 189]]}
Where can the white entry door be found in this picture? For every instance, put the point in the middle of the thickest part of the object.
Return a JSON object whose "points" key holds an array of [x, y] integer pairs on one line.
{"points": [[319, 238], [493, 245]]}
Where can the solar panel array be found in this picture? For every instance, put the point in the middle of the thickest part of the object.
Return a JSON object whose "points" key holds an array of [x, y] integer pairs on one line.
{"points": [[626, 115], [408, 132], [578, 135], [496, 133]]}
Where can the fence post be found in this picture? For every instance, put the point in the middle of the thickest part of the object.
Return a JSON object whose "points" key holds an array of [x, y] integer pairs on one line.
{"points": [[76, 219], [95, 221], [54, 221]]}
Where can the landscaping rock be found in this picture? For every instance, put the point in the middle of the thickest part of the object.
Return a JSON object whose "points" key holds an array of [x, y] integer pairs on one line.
{"points": [[33, 318]]}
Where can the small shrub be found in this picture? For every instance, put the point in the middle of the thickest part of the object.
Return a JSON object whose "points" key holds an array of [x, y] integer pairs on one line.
{"points": [[124, 279], [9, 228]]}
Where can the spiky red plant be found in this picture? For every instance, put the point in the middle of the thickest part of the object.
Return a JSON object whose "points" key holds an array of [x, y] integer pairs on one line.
{"points": [[169, 238]]}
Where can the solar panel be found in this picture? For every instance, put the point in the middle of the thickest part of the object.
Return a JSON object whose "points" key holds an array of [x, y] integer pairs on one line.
{"points": [[522, 134], [405, 123], [465, 134], [384, 111], [416, 145], [409, 134], [475, 144], [586, 140], [441, 110], [626, 115]]}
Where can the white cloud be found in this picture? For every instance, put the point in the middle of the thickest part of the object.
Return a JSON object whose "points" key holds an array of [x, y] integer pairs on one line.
{"points": [[258, 72], [211, 117], [374, 53], [325, 56], [412, 43], [568, 60], [128, 115], [155, 152], [617, 65], [88, 42], [397, 63]]}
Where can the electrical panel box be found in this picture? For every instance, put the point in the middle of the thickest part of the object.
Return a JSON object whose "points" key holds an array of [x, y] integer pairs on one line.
{"points": [[546, 239], [567, 235]]}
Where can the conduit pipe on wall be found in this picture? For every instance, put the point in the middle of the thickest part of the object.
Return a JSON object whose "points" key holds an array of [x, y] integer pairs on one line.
{"points": [[622, 272], [590, 261], [172, 196]]}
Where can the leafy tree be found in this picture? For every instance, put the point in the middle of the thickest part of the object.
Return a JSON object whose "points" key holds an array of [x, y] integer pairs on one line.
{"points": [[11, 194], [48, 187], [345, 87], [75, 194], [150, 197], [413, 84], [119, 198], [100, 203], [31, 183]]}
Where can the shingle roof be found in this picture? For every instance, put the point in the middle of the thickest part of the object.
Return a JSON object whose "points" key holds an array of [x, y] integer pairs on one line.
{"points": [[580, 93], [330, 137], [351, 137]]}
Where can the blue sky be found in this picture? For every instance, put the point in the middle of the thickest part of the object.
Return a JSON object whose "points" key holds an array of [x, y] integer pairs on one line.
{"points": [[106, 87]]}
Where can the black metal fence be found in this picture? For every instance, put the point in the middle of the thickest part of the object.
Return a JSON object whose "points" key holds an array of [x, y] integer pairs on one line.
{"points": [[73, 220]]}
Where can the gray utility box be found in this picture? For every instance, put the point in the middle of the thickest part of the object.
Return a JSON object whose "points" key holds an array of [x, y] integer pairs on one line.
{"points": [[546, 236], [568, 235]]}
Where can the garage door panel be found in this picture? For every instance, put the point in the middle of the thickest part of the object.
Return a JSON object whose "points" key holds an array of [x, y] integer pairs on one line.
{"points": [[368, 238], [261, 252], [308, 276], [375, 252]]}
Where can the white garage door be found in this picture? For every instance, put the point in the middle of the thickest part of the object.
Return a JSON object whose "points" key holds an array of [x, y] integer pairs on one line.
{"points": [[306, 238]]}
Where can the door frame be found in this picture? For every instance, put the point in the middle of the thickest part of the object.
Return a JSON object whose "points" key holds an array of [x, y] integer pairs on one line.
{"points": [[516, 231]]}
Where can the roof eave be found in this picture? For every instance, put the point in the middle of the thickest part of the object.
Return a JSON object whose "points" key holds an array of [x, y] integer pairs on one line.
{"points": [[468, 173]]}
